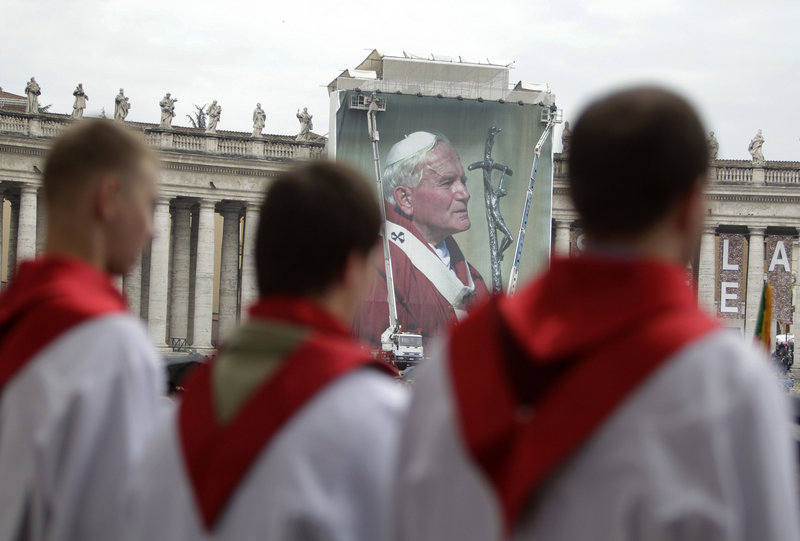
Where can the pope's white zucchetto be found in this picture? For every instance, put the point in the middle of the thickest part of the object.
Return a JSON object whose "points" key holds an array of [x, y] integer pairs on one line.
{"points": [[409, 146]]}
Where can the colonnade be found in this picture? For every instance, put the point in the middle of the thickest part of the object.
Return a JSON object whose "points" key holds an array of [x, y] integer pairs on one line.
{"points": [[174, 285], [733, 263]]}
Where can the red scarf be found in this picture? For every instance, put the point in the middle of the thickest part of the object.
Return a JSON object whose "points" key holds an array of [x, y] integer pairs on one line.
{"points": [[534, 376], [48, 297], [218, 456], [457, 260]]}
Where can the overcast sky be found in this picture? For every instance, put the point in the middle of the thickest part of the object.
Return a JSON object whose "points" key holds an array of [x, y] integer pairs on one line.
{"points": [[737, 60]]}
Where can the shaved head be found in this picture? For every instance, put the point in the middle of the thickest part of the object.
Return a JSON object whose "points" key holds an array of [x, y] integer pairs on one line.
{"points": [[85, 153], [633, 155], [100, 186]]}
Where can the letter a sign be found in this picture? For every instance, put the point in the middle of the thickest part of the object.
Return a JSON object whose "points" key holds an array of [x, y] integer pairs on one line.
{"points": [[780, 258], [779, 274]]}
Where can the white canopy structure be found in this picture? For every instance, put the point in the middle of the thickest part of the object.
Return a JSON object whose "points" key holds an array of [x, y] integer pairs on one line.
{"points": [[439, 75]]}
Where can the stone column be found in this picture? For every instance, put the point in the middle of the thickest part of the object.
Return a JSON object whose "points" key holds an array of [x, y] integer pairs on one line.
{"points": [[13, 227], [179, 272], [204, 277], [132, 287], [2, 224], [229, 272], [755, 278], [119, 282], [41, 222], [159, 275], [249, 280], [795, 300], [707, 268], [26, 234], [562, 238], [144, 298]]}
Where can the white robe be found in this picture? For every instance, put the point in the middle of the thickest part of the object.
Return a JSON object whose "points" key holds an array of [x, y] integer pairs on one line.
{"points": [[701, 451], [324, 476], [72, 423]]}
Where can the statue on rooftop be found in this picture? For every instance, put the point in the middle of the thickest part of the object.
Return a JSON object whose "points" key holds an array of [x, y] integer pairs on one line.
{"points": [[213, 111], [755, 148], [167, 105], [80, 101], [566, 135], [33, 91], [305, 125], [121, 106], [713, 146], [259, 120]]}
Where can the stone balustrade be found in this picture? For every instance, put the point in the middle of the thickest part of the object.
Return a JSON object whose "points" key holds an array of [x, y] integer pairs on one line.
{"points": [[270, 147], [782, 176], [733, 173], [727, 171], [744, 172]]}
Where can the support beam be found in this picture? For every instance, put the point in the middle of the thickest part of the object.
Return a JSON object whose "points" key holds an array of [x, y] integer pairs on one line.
{"points": [[249, 280], [179, 271], [159, 275], [707, 270], [204, 277], [229, 271], [41, 222], [13, 227], [2, 227], [132, 287], [755, 279], [562, 238], [26, 234]]}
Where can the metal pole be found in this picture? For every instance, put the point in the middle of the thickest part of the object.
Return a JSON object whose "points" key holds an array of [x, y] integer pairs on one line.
{"points": [[514, 276], [374, 136]]}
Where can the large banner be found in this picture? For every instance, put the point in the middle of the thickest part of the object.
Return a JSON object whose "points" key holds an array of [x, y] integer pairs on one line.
{"points": [[437, 154], [731, 285], [779, 274]]}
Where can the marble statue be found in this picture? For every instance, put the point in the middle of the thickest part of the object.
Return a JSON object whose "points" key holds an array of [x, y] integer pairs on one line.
{"points": [[167, 110], [213, 111], [713, 146], [33, 91], [80, 101], [305, 124], [121, 106], [755, 148], [566, 135], [259, 120]]}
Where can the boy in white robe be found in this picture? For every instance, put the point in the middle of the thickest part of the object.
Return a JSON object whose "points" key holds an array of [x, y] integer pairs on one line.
{"points": [[291, 432], [600, 403], [79, 380]]}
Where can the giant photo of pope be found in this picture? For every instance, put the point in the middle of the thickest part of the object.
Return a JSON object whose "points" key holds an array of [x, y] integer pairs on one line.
{"points": [[436, 206], [426, 196]]}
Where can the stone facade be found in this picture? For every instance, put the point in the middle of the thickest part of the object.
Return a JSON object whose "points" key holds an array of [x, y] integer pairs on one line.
{"points": [[751, 235], [198, 273]]}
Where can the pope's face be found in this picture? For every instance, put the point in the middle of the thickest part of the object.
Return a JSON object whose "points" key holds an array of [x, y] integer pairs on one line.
{"points": [[438, 205]]}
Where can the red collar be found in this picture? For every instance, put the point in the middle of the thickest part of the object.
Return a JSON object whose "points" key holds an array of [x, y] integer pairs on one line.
{"points": [[457, 260], [46, 298], [218, 456], [568, 349], [394, 215], [297, 310]]}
